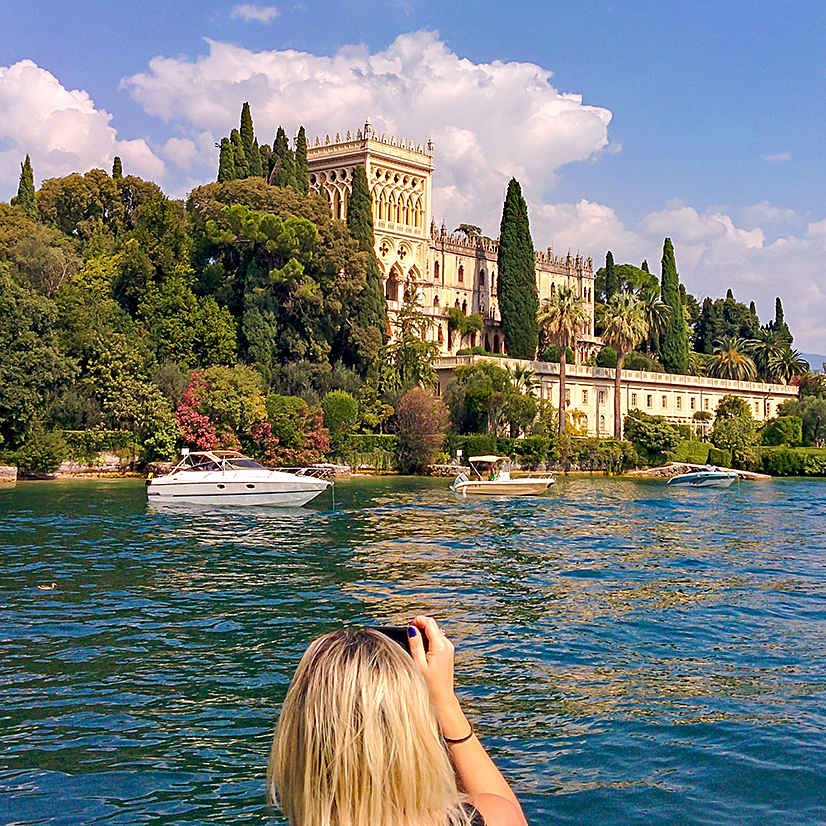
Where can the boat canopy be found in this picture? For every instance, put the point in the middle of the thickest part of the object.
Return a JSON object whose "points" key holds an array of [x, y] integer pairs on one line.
{"points": [[489, 458]]}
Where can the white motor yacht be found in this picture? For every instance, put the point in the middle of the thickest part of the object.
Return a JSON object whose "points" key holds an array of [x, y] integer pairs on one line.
{"points": [[225, 477], [499, 481]]}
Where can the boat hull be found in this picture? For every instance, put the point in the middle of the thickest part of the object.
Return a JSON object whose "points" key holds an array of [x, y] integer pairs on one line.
{"points": [[509, 487], [225, 488], [697, 480]]}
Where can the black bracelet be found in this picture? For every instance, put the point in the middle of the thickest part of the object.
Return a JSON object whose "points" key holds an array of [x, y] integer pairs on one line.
{"points": [[451, 742]]}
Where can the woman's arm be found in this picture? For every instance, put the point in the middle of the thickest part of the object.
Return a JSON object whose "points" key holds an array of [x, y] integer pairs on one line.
{"points": [[476, 773]]}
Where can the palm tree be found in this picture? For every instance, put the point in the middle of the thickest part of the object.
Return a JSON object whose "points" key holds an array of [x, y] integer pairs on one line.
{"points": [[731, 361], [766, 345], [626, 325], [561, 318], [788, 363], [522, 378], [657, 313]]}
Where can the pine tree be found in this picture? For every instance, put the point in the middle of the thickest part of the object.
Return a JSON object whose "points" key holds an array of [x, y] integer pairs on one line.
{"points": [[117, 169], [674, 337], [242, 167], [611, 280], [226, 162], [302, 169], [247, 131], [518, 300], [372, 311], [283, 170], [25, 190]]}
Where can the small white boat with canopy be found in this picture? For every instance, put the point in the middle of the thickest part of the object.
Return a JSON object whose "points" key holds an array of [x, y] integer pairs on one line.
{"points": [[227, 477], [490, 475]]}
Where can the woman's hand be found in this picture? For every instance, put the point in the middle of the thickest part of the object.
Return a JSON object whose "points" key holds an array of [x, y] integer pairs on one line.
{"points": [[436, 666]]}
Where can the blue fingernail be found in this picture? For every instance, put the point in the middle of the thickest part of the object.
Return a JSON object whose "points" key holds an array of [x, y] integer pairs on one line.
{"points": [[411, 631]]}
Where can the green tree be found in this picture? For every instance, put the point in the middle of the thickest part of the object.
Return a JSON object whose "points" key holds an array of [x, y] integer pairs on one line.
{"points": [[283, 160], [372, 308], [673, 350], [475, 396], [341, 416], [779, 325], [766, 345], [657, 313], [421, 425], [117, 168], [611, 283], [652, 436], [518, 300], [25, 190], [32, 367], [735, 430], [812, 412], [410, 353], [731, 360], [561, 320], [226, 162], [624, 326], [787, 364], [242, 161], [247, 131], [782, 430], [302, 168]]}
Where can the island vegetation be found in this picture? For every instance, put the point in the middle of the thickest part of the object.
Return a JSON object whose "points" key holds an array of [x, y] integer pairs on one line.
{"points": [[247, 317]]}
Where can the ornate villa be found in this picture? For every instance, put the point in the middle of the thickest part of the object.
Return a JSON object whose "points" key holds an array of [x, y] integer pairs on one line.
{"points": [[454, 270]]}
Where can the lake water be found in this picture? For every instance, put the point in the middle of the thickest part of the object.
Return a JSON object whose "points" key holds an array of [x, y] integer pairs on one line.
{"points": [[629, 653]]}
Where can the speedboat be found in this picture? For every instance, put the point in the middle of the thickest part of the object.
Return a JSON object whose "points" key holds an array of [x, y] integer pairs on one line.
{"points": [[219, 477], [708, 477], [498, 481]]}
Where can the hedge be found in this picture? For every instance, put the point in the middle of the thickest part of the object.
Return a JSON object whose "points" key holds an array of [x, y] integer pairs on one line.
{"points": [[692, 452], [84, 445], [793, 461]]}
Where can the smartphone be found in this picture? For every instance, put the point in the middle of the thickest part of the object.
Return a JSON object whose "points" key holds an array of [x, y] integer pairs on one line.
{"points": [[398, 633]]}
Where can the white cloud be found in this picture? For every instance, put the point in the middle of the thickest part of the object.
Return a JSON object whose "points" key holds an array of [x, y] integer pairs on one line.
{"points": [[250, 13], [61, 130], [778, 157], [489, 121]]}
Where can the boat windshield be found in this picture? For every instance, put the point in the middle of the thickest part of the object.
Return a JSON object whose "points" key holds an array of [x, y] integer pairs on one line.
{"points": [[240, 464], [204, 464]]}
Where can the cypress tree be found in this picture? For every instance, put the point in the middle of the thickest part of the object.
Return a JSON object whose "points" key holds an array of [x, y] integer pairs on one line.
{"points": [[242, 167], [644, 266], [226, 162], [302, 168], [518, 300], [372, 309], [117, 169], [611, 279], [753, 308], [247, 131], [25, 190], [674, 337], [779, 324], [266, 154], [254, 157], [283, 171]]}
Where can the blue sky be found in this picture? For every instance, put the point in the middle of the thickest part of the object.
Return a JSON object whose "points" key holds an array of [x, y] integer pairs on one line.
{"points": [[624, 121]]}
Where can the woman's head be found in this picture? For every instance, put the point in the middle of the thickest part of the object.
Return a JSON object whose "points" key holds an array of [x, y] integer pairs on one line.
{"points": [[357, 743]]}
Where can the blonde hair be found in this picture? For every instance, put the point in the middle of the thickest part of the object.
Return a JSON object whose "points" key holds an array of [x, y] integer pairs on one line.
{"points": [[357, 742]]}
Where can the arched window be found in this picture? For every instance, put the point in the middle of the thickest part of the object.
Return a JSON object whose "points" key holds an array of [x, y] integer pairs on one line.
{"points": [[481, 278], [497, 344], [457, 305], [437, 270], [482, 308], [435, 300], [487, 343], [461, 274], [441, 335]]}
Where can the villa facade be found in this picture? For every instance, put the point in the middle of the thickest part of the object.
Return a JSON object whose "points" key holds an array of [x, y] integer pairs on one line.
{"points": [[451, 269]]}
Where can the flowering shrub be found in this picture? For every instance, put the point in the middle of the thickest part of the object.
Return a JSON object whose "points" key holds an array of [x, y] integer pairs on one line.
{"points": [[197, 429]]}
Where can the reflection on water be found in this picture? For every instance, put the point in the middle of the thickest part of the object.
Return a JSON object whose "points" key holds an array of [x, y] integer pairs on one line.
{"points": [[630, 653]]}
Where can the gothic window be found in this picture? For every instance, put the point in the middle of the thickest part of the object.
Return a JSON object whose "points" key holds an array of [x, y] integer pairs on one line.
{"points": [[487, 344], [464, 307], [437, 272], [461, 274], [441, 335], [457, 304], [481, 278], [482, 308], [435, 300], [497, 344]]}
